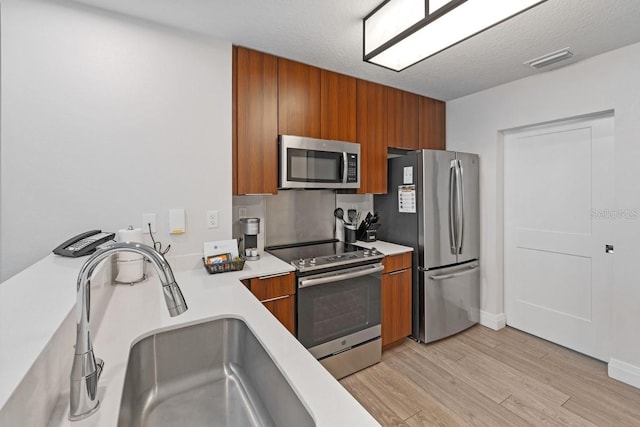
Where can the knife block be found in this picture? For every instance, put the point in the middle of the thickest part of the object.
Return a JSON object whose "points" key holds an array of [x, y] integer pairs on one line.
{"points": [[370, 236]]}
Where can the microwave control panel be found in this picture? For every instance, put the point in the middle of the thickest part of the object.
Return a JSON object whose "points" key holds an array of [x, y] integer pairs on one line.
{"points": [[352, 168]]}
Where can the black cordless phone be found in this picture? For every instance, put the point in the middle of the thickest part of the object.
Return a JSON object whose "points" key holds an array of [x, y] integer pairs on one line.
{"points": [[83, 244]]}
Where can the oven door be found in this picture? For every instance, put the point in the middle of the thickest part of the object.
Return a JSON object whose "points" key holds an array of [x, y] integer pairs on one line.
{"points": [[340, 309]]}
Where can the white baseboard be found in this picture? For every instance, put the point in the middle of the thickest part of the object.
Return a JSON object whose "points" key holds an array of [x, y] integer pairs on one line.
{"points": [[624, 372], [493, 321]]}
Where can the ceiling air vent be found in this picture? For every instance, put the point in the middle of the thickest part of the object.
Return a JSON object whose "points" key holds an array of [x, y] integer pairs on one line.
{"points": [[549, 58]]}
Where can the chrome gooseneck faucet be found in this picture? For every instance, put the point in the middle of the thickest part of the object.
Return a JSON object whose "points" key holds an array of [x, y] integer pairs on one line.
{"points": [[86, 368]]}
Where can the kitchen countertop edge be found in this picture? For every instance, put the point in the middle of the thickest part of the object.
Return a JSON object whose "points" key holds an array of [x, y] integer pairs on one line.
{"points": [[385, 248], [134, 312]]}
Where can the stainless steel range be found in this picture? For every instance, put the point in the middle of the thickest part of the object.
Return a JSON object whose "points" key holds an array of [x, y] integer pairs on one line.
{"points": [[338, 303]]}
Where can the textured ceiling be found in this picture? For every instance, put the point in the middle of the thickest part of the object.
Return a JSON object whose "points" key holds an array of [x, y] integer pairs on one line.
{"points": [[328, 34]]}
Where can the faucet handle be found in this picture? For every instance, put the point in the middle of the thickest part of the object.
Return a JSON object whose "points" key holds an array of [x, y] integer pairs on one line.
{"points": [[99, 366]]}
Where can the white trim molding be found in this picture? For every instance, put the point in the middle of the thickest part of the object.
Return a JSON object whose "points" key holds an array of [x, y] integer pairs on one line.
{"points": [[493, 321], [625, 372]]}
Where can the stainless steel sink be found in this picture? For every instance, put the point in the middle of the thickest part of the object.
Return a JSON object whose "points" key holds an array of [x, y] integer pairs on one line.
{"points": [[210, 374]]}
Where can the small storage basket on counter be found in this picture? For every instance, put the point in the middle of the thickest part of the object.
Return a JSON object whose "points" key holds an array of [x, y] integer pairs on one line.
{"points": [[223, 267]]}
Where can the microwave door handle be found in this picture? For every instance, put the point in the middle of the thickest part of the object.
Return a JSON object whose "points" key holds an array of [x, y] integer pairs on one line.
{"points": [[344, 167]]}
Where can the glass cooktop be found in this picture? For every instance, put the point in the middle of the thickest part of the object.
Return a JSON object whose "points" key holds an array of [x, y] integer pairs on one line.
{"points": [[322, 255]]}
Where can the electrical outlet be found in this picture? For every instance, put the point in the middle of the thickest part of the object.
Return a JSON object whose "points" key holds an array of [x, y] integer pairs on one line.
{"points": [[146, 220], [242, 212], [212, 219]]}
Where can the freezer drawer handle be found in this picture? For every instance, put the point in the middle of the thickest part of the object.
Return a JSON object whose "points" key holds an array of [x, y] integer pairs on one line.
{"points": [[452, 275]]}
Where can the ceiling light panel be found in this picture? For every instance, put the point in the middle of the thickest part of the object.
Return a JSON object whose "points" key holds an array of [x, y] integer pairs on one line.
{"points": [[436, 33], [389, 20], [436, 5]]}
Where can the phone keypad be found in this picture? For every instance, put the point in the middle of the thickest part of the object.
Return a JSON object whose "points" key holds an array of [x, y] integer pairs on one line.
{"points": [[86, 241]]}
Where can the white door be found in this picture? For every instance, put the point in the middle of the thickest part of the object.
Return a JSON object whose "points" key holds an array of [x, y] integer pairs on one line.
{"points": [[558, 217]]}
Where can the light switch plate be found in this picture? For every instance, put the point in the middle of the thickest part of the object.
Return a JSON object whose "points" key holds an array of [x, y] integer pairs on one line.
{"points": [[177, 223]]}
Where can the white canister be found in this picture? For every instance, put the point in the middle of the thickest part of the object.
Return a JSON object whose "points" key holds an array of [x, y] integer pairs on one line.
{"points": [[130, 265]]}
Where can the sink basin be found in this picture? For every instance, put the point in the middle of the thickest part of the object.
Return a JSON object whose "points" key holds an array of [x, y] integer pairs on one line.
{"points": [[210, 374]]}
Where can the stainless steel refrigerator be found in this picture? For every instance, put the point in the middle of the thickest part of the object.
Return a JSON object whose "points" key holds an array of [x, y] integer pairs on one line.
{"points": [[432, 205]]}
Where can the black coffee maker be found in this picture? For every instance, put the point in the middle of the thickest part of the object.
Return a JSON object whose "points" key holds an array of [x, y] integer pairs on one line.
{"points": [[250, 230]]}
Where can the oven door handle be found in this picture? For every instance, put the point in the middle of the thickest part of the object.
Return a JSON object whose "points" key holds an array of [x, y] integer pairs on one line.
{"points": [[305, 283]]}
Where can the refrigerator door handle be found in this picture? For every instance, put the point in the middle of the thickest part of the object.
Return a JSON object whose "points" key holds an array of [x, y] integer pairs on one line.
{"points": [[453, 239], [459, 207], [471, 269]]}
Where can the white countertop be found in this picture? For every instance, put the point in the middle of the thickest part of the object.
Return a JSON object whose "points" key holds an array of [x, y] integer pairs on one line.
{"points": [[385, 247], [33, 305], [42, 296]]}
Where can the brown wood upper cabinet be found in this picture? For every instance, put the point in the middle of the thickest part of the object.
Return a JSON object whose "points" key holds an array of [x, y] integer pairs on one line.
{"points": [[403, 119], [274, 96], [371, 117], [298, 99], [255, 122], [337, 106], [431, 123], [315, 103]]}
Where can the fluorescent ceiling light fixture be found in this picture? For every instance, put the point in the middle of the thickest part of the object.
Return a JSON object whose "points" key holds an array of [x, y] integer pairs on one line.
{"points": [[549, 58], [400, 33]]}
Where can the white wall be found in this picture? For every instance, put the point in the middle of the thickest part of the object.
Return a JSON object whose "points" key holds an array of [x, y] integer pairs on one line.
{"points": [[606, 82], [105, 118]]}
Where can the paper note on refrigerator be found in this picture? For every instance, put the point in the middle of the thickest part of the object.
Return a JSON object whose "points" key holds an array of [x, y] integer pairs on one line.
{"points": [[407, 198], [407, 175]]}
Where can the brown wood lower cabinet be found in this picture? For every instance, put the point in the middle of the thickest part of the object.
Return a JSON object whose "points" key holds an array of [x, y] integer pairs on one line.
{"points": [[396, 299], [277, 294]]}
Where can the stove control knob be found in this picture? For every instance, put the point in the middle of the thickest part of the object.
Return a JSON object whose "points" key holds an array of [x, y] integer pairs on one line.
{"points": [[366, 252], [302, 261], [374, 251], [312, 261]]}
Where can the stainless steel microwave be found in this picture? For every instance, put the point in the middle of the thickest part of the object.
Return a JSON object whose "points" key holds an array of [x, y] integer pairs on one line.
{"points": [[318, 163]]}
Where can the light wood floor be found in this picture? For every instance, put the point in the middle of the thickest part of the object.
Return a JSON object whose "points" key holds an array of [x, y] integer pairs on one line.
{"points": [[492, 378]]}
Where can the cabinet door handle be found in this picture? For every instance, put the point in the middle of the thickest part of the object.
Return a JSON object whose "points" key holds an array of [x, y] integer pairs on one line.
{"points": [[271, 276], [393, 273], [275, 299]]}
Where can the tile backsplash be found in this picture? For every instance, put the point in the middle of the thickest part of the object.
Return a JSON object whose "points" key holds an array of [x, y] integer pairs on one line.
{"points": [[256, 207]]}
